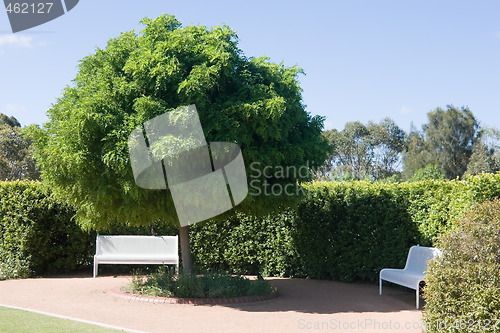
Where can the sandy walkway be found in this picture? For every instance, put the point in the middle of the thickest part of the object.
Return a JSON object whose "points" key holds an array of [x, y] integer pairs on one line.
{"points": [[303, 306]]}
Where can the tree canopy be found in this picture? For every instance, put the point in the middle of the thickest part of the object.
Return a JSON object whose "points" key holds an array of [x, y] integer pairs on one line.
{"points": [[448, 140], [82, 149], [361, 151], [16, 153]]}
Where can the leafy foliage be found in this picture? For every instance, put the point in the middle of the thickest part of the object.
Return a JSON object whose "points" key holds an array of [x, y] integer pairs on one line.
{"points": [[341, 230], [448, 140], [37, 234], [431, 171], [463, 286], [16, 152], [246, 244], [166, 283], [83, 149], [359, 152]]}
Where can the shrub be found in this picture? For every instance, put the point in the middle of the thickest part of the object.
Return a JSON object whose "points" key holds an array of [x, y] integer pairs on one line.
{"points": [[212, 284], [463, 286]]}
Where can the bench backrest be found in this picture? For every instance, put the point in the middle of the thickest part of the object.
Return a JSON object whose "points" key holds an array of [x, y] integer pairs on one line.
{"points": [[136, 245], [418, 258]]}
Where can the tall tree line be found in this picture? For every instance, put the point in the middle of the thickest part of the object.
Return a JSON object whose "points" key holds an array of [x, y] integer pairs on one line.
{"points": [[451, 144]]}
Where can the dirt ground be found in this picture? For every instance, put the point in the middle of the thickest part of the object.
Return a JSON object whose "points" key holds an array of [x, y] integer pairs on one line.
{"points": [[303, 306]]}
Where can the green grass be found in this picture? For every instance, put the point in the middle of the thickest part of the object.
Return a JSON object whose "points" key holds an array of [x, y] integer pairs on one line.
{"points": [[13, 320], [165, 283]]}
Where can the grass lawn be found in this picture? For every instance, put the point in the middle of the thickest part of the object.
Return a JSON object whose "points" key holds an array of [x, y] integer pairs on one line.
{"points": [[13, 320]]}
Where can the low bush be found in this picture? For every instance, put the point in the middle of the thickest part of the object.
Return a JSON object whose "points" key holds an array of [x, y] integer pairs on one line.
{"points": [[212, 284], [463, 286]]}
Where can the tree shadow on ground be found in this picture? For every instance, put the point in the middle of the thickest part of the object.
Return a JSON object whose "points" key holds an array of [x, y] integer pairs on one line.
{"points": [[329, 297]]}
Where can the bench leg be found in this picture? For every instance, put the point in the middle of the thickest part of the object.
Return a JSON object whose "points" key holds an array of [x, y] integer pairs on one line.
{"points": [[177, 268], [380, 286], [96, 267], [418, 296]]}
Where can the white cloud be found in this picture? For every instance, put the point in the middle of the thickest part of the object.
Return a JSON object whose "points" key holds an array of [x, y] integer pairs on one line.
{"points": [[15, 40], [14, 108], [405, 110]]}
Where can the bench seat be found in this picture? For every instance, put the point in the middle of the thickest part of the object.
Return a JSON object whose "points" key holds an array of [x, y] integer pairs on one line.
{"points": [[111, 249]]}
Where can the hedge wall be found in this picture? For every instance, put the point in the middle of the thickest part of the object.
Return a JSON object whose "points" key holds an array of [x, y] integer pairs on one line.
{"points": [[342, 230], [39, 236]]}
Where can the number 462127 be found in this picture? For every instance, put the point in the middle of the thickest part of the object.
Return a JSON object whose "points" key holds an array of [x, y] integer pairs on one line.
{"points": [[27, 8]]}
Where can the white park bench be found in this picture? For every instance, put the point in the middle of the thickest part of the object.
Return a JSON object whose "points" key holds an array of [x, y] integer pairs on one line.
{"points": [[161, 250], [415, 269]]}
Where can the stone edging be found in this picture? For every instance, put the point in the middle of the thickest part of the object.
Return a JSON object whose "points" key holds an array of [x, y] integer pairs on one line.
{"points": [[118, 292]]}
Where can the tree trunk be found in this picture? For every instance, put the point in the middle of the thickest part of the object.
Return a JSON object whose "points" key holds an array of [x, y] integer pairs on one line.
{"points": [[187, 263]]}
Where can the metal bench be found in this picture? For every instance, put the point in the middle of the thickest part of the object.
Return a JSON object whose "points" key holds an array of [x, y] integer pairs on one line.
{"points": [[161, 250], [414, 272]]}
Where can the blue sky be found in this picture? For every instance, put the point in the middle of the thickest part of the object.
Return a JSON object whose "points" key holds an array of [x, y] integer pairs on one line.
{"points": [[364, 60]]}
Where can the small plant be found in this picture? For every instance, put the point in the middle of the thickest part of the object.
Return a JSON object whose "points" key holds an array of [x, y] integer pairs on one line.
{"points": [[463, 286], [212, 284]]}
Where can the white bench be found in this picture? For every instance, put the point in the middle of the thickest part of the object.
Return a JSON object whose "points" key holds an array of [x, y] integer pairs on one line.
{"points": [[160, 250], [414, 271]]}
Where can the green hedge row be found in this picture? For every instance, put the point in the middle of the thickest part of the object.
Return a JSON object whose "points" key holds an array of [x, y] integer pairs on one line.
{"points": [[247, 245], [341, 230], [39, 236]]}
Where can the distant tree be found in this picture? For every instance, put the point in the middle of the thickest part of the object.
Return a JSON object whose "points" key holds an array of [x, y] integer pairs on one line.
{"points": [[11, 121], [417, 155], [447, 140], [16, 153], [451, 135], [361, 151], [486, 156], [431, 171], [481, 161], [389, 142], [83, 148]]}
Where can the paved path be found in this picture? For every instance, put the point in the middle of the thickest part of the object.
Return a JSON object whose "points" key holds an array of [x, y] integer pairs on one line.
{"points": [[303, 306]]}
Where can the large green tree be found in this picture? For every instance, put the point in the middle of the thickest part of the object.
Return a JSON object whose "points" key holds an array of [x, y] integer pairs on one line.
{"points": [[253, 102]]}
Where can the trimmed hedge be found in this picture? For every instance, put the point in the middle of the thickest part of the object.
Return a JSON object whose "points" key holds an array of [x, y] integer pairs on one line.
{"points": [[341, 230], [37, 235], [247, 245], [348, 231], [463, 286]]}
